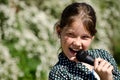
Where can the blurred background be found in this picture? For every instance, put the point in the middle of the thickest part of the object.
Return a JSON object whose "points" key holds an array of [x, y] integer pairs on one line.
{"points": [[28, 44]]}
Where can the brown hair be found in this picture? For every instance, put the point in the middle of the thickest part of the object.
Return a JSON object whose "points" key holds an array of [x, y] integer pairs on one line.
{"points": [[83, 11]]}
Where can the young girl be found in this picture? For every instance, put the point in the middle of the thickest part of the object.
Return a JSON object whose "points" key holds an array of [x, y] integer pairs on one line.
{"points": [[76, 30]]}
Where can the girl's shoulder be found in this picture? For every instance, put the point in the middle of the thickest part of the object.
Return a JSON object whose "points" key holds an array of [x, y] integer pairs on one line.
{"points": [[57, 68], [57, 71], [99, 53]]}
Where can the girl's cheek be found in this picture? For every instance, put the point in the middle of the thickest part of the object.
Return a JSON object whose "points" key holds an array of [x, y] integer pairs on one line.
{"points": [[67, 39], [86, 45]]}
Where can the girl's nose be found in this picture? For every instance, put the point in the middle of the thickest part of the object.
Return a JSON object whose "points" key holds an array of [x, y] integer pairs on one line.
{"points": [[77, 43]]}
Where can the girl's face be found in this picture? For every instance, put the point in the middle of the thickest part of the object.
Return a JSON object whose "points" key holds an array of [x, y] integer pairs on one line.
{"points": [[74, 38]]}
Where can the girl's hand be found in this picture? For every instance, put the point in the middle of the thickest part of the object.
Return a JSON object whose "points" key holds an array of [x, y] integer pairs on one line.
{"points": [[103, 69]]}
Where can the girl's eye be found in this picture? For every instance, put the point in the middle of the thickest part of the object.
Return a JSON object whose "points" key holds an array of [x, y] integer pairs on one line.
{"points": [[70, 35], [85, 37]]}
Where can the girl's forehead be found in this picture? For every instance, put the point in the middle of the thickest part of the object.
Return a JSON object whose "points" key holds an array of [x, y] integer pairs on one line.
{"points": [[76, 27]]}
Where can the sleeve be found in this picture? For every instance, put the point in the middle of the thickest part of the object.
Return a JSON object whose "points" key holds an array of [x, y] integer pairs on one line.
{"points": [[57, 74], [110, 59]]}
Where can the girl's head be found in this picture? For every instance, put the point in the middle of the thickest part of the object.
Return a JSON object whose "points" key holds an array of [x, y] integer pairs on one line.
{"points": [[76, 28]]}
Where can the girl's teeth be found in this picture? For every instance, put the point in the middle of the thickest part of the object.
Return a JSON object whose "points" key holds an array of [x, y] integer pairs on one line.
{"points": [[75, 50]]}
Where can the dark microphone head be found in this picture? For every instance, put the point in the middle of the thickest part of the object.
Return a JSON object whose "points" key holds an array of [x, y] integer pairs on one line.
{"points": [[83, 56]]}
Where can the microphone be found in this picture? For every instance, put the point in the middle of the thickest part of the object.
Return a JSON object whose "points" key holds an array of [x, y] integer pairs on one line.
{"points": [[83, 56]]}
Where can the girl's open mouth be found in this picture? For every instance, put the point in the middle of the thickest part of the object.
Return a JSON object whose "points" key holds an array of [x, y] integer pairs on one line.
{"points": [[73, 51]]}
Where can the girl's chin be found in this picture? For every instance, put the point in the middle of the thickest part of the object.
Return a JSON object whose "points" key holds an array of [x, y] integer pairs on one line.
{"points": [[72, 59]]}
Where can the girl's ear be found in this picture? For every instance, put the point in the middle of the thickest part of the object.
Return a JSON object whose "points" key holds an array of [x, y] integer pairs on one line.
{"points": [[93, 37], [58, 30]]}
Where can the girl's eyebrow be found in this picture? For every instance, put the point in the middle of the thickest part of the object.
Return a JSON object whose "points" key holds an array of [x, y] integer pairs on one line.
{"points": [[70, 30], [86, 35]]}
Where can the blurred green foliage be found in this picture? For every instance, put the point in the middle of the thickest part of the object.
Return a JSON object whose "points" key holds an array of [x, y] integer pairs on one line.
{"points": [[28, 46]]}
